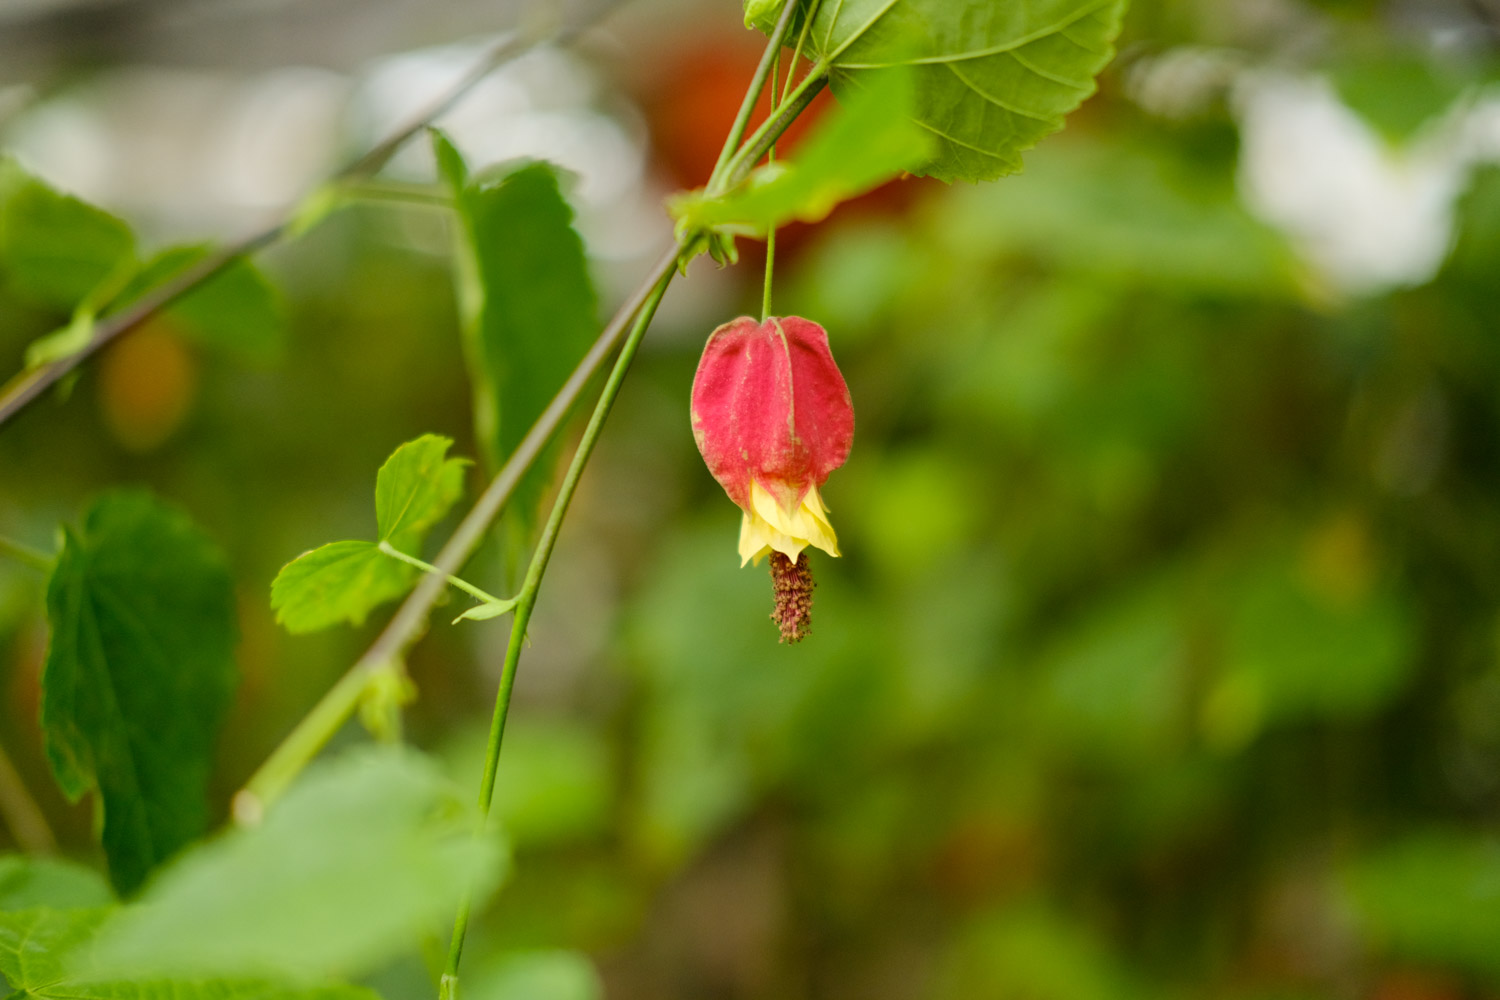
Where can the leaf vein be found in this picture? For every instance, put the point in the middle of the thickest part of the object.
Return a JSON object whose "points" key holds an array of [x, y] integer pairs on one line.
{"points": [[1046, 75], [859, 32], [1024, 113], [1059, 28]]}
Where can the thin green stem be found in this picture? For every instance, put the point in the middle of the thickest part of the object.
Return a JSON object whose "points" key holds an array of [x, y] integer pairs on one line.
{"points": [[420, 195], [334, 708], [765, 295], [770, 130], [752, 93], [526, 600], [427, 567], [27, 823], [304, 742], [34, 558], [807, 20]]}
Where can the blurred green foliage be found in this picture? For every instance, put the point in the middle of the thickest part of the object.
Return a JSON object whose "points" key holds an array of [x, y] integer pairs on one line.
{"points": [[1164, 658]]}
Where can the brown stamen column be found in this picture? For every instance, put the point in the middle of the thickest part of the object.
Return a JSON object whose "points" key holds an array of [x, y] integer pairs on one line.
{"points": [[793, 584]]}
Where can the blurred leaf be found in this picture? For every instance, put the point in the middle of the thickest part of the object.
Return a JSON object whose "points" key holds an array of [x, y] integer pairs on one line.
{"points": [[204, 989], [1434, 897], [139, 673], [554, 782], [1395, 92], [35, 946], [26, 882], [823, 173], [763, 15], [991, 81], [34, 942], [1115, 686], [538, 975], [1134, 214], [415, 489], [54, 247], [1033, 954], [528, 306], [345, 581], [724, 703], [1295, 650], [362, 856], [235, 310]]}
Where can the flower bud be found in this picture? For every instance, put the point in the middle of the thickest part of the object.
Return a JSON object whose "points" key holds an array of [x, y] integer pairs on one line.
{"points": [[772, 417]]}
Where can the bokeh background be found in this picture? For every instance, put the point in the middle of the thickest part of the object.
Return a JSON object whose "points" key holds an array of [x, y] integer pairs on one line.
{"points": [[1164, 656]]}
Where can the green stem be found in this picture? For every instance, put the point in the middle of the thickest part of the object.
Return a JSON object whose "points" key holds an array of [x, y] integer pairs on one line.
{"points": [[27, 823], [427, 567], [34, 558], [807, 20], [526, 600], [770, 130], [752, 94], [304, 742], [765, 296], [422, 195], [339, 702]]}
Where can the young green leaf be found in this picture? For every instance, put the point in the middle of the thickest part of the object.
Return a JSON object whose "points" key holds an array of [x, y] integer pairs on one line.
{"points": [[337, 582], [415, 489], [529, 309], [236, 309], [362, 856], [26, 882], [992, 79], [345, 581], [139, 672], [823, 173], [36, 947], [54, 247]]}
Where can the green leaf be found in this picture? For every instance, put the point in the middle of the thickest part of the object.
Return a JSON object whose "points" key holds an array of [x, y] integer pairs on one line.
{"points": [[236, 309], [415, 489], [345, 581], [365, 854], [139, 673], [63, 343], [992, 79], [37, 945], [823, 173], [537, 975], [529, 310], [487, 610], [33, 943], [205, 989], [763, 14], [54, 247], [27, 882], [337, 582], [1432, 897]]}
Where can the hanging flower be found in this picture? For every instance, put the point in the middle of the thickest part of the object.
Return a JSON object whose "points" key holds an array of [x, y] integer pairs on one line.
{"points": [[772, 417]]}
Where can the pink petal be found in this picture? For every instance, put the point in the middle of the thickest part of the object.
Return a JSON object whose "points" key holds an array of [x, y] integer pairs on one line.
{"points": [[769, 404]]}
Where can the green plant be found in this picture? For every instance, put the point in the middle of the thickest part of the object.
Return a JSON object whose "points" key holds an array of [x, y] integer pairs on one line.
{"points": [[139, 600]]}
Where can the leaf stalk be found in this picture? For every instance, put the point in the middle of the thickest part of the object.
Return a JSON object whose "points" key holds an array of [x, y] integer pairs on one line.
{"points": [[526, 600]]}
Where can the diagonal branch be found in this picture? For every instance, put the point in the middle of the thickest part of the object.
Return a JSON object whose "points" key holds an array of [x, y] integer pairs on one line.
{"points": [[28, 385], [411, 618]]}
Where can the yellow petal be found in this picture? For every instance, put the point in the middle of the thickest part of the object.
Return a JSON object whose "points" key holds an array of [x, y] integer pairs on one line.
{"points": [[767, 527]]}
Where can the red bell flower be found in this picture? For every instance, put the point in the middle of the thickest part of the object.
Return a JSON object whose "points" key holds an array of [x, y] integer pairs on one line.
{"points": [[772, 417]]}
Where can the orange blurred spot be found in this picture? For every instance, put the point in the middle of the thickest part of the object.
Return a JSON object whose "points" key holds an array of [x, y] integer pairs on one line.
{"points": [[147, 383]]}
